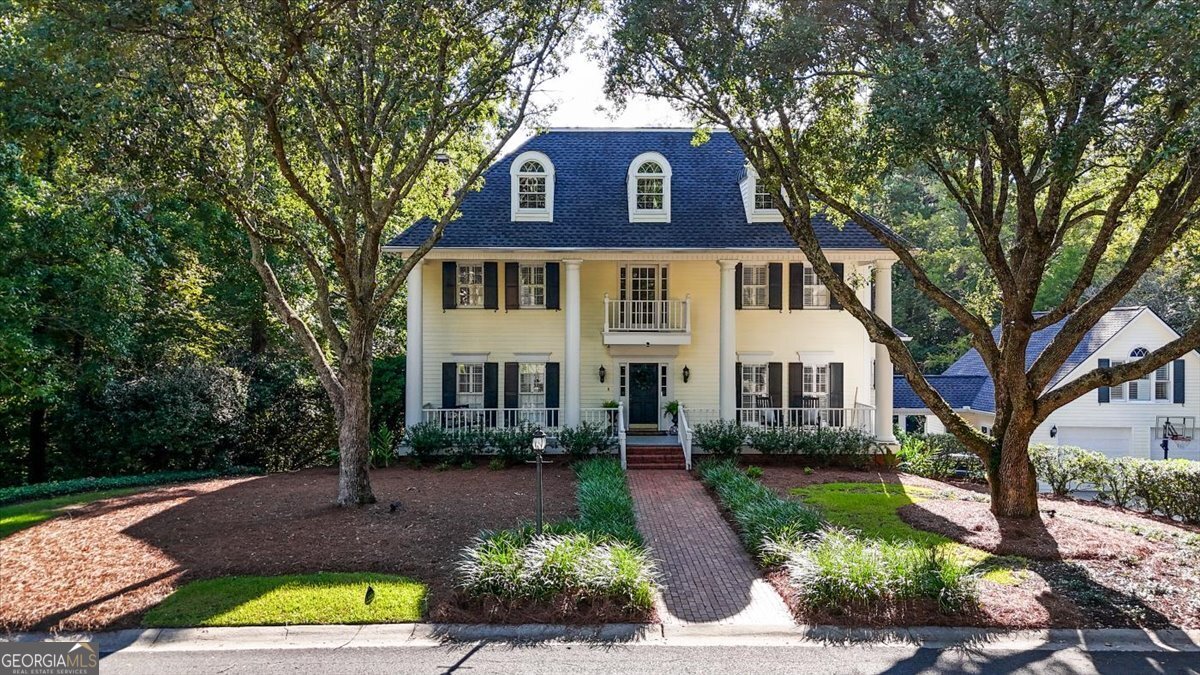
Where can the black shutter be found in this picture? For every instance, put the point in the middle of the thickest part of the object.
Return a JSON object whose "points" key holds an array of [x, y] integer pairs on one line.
{"points": [[491, 389], [840, 270], [512, 286], [491, 294], [775, 383], [1102, 394], [552, 371], [737, 385], [737, 286], [552, 301], [837, 397], [775, 286], [449, 385], [796, 385], [796, 286], [449, 285], [1179, 381], [512, 380]]}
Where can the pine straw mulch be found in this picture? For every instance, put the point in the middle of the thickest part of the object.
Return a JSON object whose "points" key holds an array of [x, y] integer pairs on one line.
{"points": [[105, 563], [1085, 564]]}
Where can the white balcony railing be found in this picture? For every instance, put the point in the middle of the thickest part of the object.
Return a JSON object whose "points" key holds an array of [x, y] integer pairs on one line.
{"points": [[548, 419], [647, 316], [845, 418]]}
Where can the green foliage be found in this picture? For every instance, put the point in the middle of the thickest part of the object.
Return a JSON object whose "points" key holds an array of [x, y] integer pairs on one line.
{"points": [[1169, 487], [837, 567], [722, 438], [387, 392], [497, 464], [514, 444], [764, 520], [822, 444], [581, 441], [383, 447], [938, 456], [754, 472], [426, 440], [469, 443], [289, 422], [605, 504], [21, 493], [1064, 467]]}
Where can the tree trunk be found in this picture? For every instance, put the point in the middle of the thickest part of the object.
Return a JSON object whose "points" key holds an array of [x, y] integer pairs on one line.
{"points": [[1011, 479], [39, 445], [354, 435]]}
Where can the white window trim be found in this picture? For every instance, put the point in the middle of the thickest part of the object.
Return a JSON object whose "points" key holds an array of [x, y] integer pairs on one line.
{"points": [[524, 396], [521, 285], [765, 285], [754, 358], [647, 216], [754, 395], [749, 188], [812, 288], [470, 357], [1120, 393], [458, 286], [518, 214], [468, 398]]}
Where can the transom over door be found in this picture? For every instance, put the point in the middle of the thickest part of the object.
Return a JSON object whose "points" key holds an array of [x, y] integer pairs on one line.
{"points": [[643, 296]]}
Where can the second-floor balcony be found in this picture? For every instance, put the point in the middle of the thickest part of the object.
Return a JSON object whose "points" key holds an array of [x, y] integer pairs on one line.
{"points": [[662, 322]]}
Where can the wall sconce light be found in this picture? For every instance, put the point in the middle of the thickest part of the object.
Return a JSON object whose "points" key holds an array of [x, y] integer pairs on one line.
{"points": [[1053, 431], [687, 374], [602, 373]]}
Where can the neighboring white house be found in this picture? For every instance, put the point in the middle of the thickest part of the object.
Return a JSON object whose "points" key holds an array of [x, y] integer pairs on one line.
{"points": [[634, 267], [1125, 421]]}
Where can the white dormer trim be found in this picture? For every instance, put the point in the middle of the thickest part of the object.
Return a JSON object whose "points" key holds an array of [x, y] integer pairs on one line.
{"points": [[545, 215], [636, 215], [749, 186]]}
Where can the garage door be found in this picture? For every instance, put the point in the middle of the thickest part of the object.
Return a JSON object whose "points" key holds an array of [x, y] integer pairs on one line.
{"points": [[1112, 441]]}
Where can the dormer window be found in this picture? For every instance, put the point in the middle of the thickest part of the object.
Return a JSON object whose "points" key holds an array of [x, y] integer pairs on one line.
{"points": [[649, 188], [532, 187], [764, 198], [760, 197]]}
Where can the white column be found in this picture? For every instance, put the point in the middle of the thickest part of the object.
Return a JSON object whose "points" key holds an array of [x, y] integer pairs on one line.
{"points": [[571, 396], [414, 373], [883, 359], [728, 354]]}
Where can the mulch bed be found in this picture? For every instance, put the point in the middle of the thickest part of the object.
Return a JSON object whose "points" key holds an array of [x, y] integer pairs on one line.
{"points": [[1088, 565], [107, 562]]}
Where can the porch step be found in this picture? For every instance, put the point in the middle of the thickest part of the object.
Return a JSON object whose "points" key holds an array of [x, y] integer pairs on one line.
{"points": [[654, 457]]}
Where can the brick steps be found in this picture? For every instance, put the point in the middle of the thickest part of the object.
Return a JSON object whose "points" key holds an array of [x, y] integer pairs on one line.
{"points": [[654, 457]]}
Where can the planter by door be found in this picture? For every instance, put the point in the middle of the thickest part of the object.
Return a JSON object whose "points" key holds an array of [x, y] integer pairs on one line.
{"points": [[643, 393]]}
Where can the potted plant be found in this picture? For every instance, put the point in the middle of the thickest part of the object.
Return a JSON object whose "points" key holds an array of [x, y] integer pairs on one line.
{"points": [[672, 410], [612, 408]]}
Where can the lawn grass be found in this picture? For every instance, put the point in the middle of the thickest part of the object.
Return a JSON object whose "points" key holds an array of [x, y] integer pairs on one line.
{"points": [[17, 517], [322, 598], [871, 509]]}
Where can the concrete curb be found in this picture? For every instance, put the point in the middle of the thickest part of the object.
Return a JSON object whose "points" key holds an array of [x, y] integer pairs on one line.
{"points": [[433, 634]]}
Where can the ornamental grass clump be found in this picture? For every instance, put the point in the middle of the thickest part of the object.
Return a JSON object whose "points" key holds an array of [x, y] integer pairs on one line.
{"points": [[765, 521], [605, 504], [836, 567]]}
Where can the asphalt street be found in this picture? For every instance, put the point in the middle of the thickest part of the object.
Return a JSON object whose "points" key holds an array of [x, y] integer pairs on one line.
{"points": [[576, 659]]}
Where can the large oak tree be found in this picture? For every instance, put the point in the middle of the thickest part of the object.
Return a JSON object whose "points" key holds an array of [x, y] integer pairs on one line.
{"points": [[324, 128], [1047, 121]]}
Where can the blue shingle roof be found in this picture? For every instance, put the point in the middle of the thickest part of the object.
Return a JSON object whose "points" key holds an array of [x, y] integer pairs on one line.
{"points": [[960, 391], [966, 383], [1108, 325], [591, 203]]}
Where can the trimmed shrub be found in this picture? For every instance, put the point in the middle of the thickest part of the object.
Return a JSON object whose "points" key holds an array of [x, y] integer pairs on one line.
{"points": [[514, 444], [722, 438], [1064, 467], [469, 443], [25, 493], [605, 504], [938, 456], [1169, 487], [773, 440], [581, 441], [765, 521], [426, 440]]}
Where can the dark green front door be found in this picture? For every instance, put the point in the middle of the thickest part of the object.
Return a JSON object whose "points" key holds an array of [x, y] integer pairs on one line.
{"points": [[643, 393]]}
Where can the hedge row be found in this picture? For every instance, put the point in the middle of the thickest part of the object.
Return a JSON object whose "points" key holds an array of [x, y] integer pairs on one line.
{"points": [[511, 444], [24, 493], [1170, 487], [726, 439]]}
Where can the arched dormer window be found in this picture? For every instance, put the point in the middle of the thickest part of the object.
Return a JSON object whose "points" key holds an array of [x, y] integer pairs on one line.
{"points": [[760, 198], [532, 187], [649, 189]]}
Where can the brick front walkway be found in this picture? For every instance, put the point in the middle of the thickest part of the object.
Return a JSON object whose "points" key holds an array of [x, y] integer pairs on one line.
{"points": [[707, 576]]}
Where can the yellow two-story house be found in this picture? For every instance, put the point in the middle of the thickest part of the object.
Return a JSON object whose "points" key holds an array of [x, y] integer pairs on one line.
{"points": [[602, 269]]}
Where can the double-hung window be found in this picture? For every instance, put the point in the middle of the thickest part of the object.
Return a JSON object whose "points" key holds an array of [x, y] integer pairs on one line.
{"points": [[533, 285], [470, 284], [764, 197], [816, 385], [815, 293], [532, 390], [1153, 386], [754, 286], [470, 385], [754, 386]]}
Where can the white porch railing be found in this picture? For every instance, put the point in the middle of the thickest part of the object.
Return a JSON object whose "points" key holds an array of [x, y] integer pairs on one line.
{"points": [[685, 438], [621, 433], [548, 419], [857, 417], [647, 316]]}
